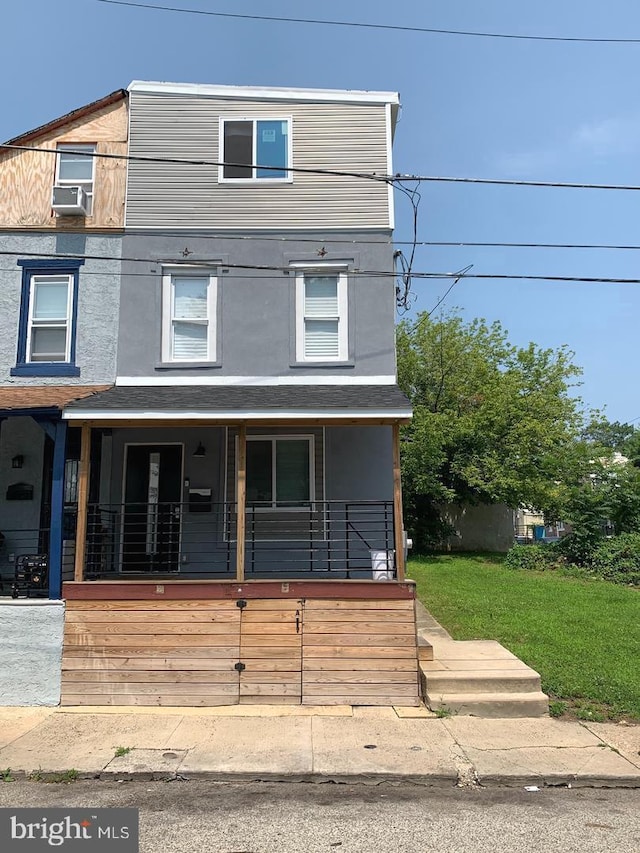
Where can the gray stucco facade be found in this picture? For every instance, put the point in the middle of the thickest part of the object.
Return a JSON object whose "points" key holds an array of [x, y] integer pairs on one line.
{"points": [[98, 302], [30, 652], [256, 307]]}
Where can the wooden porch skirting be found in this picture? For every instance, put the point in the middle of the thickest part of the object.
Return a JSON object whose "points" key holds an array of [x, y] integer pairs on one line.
{"points": [[206, 644]]}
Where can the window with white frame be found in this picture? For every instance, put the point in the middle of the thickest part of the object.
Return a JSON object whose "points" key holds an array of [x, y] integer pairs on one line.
{"points": [[255, 149], [50, 315], [322, 331], [189, 316], [75, 167], [279, 471]]}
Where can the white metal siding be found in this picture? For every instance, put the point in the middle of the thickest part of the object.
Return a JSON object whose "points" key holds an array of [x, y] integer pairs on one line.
{"points": [[336, 136]]}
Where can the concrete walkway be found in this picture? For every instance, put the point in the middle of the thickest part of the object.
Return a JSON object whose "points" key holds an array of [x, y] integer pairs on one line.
{"points": [[293, 743]]}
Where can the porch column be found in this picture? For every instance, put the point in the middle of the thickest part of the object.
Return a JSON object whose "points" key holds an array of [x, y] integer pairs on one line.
{"points": [[241, 497], [83, 497], [398, 524], [57, 510]]}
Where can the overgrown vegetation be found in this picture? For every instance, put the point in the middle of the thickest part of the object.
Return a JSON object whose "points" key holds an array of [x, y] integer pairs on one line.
{"points": [[580, 634]]}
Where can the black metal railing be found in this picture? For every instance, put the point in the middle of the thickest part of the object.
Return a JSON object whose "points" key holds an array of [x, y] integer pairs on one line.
{"points": [[338, 538]]}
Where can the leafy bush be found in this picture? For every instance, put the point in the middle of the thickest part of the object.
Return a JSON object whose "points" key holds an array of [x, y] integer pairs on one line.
{"points": [[535, 558], [618, 559]]}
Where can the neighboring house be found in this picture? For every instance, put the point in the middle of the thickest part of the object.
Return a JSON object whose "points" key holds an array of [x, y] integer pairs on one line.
{"points": [[59, 296], [239, 504]]}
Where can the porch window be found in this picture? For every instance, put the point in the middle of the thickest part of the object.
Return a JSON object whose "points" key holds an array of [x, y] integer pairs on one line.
{"points": [[189, 316], [321, 315], [279, 471]]}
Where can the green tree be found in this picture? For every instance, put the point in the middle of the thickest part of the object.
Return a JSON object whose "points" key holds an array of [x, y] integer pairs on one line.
{"points": [[492, 422]]}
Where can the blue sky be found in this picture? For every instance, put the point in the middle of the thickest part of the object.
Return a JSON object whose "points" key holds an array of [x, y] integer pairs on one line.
{"points": [[471, 107]]}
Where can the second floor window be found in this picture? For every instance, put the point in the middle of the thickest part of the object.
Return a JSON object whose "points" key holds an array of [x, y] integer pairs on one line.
{"points": [[47, 326], [75, 167], [189, 316], [321, 315], [255, 149]]}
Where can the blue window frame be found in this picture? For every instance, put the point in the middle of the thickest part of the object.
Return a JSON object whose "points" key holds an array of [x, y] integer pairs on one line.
{"points": [[48, 313]]}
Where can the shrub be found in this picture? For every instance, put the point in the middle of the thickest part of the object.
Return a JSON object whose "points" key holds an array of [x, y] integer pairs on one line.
{"points": [[618, 559], [536, 558]]}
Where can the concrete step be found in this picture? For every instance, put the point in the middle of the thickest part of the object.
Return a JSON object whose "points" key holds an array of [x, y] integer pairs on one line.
{"points": [[425, 650], [520, 679], [497, 705]]}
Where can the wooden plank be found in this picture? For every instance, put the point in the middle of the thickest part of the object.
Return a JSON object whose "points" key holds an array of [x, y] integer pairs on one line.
{"points": [[272, 690], [407, 690], [400, 627], [146, 677], [142, 605], [165, 641], [391, 617], [249, 676], [368, 676], [364, 640], [351, 698], [99, 663], [358, 652], [94, 688], [398, 525], [178, 616], [371, 604], [161, 700], [152, 651], [83, 497], [175, 590], [256, 607], [97, 629], [269, 700], [241, 500], [351, 664]]}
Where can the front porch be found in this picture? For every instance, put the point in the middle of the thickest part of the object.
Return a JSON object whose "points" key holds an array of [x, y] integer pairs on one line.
{"points": [[223, 560]]}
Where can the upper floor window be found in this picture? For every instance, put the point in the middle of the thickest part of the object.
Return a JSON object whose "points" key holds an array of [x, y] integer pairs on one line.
{"points": [[189, 316], [47, 327], [254, 149], [75, 167], [321, 315]]}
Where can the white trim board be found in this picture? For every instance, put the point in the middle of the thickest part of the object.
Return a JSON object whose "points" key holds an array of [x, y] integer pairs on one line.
{"points": [[265, 93], [234, 415], [325, 379]]}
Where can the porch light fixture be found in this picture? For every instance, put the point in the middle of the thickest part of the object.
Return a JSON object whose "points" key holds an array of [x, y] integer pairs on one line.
{"points": [[17, 461], [200, 450]]}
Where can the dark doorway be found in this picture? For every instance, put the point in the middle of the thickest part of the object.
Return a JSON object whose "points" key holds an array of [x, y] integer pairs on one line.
{"points": [[152, 508]]}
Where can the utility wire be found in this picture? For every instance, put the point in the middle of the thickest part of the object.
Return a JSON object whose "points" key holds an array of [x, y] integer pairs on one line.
{"points": [[396, 179], [326, 238], [370, 26], [425, 275]]}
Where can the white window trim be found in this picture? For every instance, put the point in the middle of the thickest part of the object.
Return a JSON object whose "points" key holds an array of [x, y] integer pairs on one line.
{"points": [[66, 323], [310, 439], [168, 274], [343, 311], [288, 179], [88, 186]]}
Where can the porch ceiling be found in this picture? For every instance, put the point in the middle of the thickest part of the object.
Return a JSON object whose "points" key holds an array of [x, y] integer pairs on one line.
{"points": [[18, 399], [254, 403]]}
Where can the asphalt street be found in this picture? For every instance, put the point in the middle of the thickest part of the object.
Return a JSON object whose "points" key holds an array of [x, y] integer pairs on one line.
{"points": [[206, 817]]}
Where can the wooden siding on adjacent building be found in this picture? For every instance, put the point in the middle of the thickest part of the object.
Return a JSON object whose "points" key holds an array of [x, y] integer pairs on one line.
{"points": [[334, 136], [27, 177]]}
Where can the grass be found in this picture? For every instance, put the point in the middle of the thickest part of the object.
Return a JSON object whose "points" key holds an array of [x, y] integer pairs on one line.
{"points": [[582, 636]]}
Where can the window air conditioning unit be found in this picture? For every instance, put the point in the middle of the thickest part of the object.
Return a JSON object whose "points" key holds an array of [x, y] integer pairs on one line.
{"points": [[69, 201]]}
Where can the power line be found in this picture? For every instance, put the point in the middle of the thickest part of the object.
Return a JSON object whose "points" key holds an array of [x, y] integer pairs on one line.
{"points": [[327, 239], [397, 179], [425, 275], [370, 26]]}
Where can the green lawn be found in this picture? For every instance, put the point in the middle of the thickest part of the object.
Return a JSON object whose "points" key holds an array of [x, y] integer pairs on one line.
{"points": [[583, 637]]}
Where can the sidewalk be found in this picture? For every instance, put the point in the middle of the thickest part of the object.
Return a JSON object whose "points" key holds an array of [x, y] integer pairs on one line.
{"points": [[293, 743]]}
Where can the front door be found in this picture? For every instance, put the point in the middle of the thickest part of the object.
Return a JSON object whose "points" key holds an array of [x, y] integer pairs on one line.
{"points": [[151, 517]]}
